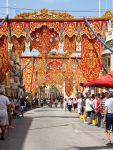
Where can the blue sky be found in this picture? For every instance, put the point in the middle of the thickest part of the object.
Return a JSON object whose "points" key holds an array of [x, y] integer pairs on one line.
{"points": [[76, 5]]}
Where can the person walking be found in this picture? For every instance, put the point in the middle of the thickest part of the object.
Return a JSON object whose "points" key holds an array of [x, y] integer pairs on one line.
{"points": [[89, 109], [56, 103], [17, 107], [22, 106], [98, 110], [10, 111], [65, 104], [4, 103], [108, 117], [69, 103], [79, 104], [75, 104]]}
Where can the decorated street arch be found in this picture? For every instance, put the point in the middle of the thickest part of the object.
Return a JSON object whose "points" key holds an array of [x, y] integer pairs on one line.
{"points": [[58, 37]]}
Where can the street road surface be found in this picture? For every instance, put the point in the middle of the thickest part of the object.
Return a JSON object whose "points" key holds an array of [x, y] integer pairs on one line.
{"points": [[53, 129]]}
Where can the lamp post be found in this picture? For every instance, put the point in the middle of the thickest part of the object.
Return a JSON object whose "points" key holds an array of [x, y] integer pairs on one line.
{"points": [[99, 7], [7, 5], [112, 4]]}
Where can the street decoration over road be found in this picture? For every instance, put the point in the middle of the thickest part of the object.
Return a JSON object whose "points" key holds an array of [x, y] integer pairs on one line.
{"points": [[46, 31]]}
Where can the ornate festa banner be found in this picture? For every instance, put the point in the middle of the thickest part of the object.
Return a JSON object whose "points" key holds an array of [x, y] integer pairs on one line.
{"points": [[97, 26], [91, 58], [68, 87], [70, 44], [18, 44], [17, 29], [40, 69], [70, 29], [33, 85], [28, 75], [44, 40], [51, 25], [54, 72], [4, 60], [69, 74], [4, 30], [69, 64], [79, 79]]}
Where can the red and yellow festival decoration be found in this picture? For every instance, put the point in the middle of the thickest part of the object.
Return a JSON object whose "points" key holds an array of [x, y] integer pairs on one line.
{"points": [[54, 73], [18, 44], [44, 40], [41, 69], [68, 87], [4, 60], [69, 74], [79, 78], [29, 80], [70, 44], [91, 58], [46, 31]]}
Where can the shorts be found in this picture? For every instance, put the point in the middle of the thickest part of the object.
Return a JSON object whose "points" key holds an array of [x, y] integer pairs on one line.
{"points": [[88, 113], [16, 107], [75, 105], [3, 118], [109, 121], [22, 108]]}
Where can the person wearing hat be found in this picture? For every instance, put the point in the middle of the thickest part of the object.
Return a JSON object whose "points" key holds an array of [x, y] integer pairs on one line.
{"points": [[4, 103]]}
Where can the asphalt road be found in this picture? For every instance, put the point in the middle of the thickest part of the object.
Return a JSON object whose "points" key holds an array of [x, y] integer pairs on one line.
{"points": [[53, 129]]}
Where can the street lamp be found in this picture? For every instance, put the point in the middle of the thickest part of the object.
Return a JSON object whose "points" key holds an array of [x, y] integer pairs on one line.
{"points": [[99, 8], [7, 5]]}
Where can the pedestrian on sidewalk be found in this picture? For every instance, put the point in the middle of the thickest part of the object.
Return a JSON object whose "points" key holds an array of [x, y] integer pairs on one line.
{"points": [[69, 103], [108, 117], [75, 104], [22, 106], [65, 104], [4, 103], [10, 111], [56, 102], [17, 107], [89, 109], [79, 104], [98, 110]]}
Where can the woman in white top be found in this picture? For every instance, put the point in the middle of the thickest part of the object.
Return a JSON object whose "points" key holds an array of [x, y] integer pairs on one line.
{"points": [[65, 104], [79, 105], [4, 102], [89, 109]]}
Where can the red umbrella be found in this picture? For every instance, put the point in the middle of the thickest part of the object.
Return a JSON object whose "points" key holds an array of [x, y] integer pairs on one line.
{"points": [[105, 81]]}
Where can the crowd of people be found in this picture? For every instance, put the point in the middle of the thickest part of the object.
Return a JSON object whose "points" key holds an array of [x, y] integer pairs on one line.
{"points": [[98, 108], [94, 108]]}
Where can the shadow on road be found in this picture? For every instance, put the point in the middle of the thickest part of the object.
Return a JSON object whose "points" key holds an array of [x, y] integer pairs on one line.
{"points": [[16, 137], [69, 117], [47, 110], [62, 125], [89, 148]]}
